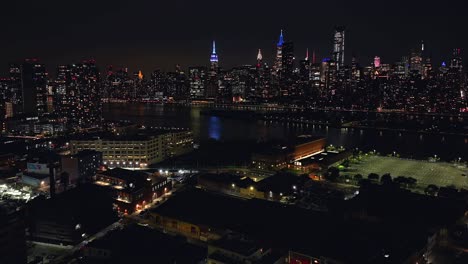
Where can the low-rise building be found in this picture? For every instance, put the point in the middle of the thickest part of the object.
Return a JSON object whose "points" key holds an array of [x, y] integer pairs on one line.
{"points": [[236, 248], [132, 190], [139, 244], [273, 188], [12, 234], [136, 151], [71, 216], [278, 155], [81, 166]]}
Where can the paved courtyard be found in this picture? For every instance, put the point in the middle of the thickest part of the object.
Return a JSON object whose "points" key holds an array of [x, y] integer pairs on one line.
{"points": [[438, 173]]}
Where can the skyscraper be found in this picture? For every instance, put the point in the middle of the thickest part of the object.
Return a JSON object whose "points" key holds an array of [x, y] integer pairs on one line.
{"points": [[212, 86], [213, 60], [34, 87], [339, 47], [259, 58], [279, 55], [82, 102], [304, 68], [416, 60], [287, 65], [377, 62], [197, 81]]}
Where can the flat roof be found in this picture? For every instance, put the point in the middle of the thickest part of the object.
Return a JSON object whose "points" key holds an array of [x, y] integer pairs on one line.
{"points": [[290, 227], [138, 244], [238, 244]]}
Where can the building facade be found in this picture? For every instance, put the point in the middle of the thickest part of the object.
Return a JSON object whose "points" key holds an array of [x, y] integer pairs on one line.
{"points": [[137, 151]]}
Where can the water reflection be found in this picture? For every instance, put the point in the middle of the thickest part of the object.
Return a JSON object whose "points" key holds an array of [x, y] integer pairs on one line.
{"points": [[214, 128], [205, 127]]}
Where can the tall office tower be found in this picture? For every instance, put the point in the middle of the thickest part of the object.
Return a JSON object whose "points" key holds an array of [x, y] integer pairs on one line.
{"points": [[197, 82], [279, 55], [416, 60], [304, 68], [315, 75], [212, 85], [376, 62], [304, 79], [243, 81], [427, 68], [259, 58], [325, 69], [339, 47], [84, 97], [402, 67], [262, 78], [214, 60], [259, 76], [157, 84], [15, 92], [34, 87], [456, 61], [355, 70], [62, 90], [287, 65], [181, 91]]}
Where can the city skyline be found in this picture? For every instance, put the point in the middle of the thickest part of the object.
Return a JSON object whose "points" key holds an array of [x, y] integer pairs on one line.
{"points": [[143, 40], [270, 59]]}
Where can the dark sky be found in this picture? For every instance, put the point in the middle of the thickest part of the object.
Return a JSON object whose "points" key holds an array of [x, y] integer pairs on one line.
{"points": [[147, 34]]}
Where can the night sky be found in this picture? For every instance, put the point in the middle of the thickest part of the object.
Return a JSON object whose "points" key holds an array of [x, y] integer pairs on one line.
{"points": [[149, 34]]}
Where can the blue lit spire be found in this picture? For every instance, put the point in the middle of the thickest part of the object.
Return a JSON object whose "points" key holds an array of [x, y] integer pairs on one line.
{"points": [[214, 56], [281, 40]]}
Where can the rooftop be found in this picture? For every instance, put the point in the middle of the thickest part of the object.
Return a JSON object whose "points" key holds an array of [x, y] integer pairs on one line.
{"points": [[284, 226], [138, 244], [238, 244]]}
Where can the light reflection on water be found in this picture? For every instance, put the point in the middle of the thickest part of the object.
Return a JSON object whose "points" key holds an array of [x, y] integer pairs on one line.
{"points": [[205, 127]]}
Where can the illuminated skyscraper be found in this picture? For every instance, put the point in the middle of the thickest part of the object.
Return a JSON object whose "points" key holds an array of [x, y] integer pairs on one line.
{"points": [[212, 86], [456, 61], [416, 60], [14, 89], [214, 59], [377, 62], [197, 82], [339, 47], [84, 95], [279, 55], [259, 58]]}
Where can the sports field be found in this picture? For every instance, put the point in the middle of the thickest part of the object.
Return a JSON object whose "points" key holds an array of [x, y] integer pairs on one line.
{"points": [[439, 173]]}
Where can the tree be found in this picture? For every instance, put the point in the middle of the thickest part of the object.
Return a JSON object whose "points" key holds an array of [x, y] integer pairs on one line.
{"points": [[401, 180], [386, 179], [431, 189], [358, 177], [345, 163], [332, 174], [373, 176], [411, 182]]}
